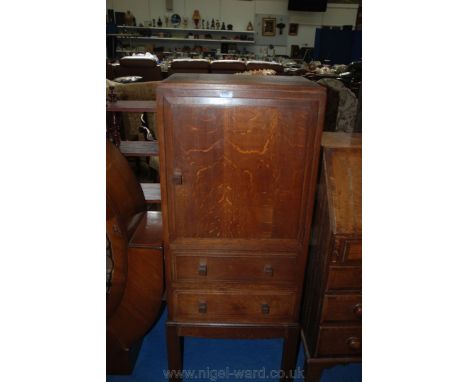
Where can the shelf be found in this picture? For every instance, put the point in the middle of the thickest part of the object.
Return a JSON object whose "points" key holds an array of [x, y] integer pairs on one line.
{"points": [[152, 192], [162, 29], [139, 148], [187, 39], [132, 106]]}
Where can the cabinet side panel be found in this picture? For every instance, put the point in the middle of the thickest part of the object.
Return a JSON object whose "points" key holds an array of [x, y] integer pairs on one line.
{"points": [[316, 273]]}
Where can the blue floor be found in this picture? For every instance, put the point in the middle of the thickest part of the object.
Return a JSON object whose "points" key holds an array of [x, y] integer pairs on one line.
{"points": [[222, 360]]}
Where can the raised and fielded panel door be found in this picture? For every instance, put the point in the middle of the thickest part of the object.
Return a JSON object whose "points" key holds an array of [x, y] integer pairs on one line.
{"points": [[238, 168]]}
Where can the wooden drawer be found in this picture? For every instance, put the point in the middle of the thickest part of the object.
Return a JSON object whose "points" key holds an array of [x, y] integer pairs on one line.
{"points": [[352, 250], [233, 306], [347, 251], [340, 278], [342, 341], [342, 308], [235, 268]]}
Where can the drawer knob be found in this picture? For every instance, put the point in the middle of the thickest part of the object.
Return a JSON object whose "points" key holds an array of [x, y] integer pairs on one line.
{"points": [[265, 308], [354, 343], [268, 270], [202, 307], [177, 177], [357, 310], [202, 269]]}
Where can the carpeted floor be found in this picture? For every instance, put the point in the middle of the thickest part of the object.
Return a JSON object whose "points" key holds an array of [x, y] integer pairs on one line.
{"points": [[222, 360]]}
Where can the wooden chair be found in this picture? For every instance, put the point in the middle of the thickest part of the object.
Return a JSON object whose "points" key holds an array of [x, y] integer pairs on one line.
{"points": [[136, 288]]}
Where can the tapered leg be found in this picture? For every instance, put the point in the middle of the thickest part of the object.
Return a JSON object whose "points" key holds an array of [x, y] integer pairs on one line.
{"points": [[312, 372], [174, 353], [290, 350]]}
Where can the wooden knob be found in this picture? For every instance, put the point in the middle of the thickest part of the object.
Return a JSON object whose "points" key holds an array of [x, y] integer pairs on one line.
{"points": [[265, 309], [202, 269], [357, 310], [268, 270], [177, 177], [354, 343], [202, 307]]}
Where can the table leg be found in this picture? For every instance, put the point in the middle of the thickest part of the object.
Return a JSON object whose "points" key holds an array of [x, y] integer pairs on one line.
{"points": [[290, 351], [174, 353]]}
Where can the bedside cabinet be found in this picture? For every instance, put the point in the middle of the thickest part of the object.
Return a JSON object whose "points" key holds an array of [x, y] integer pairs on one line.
{"points": [[332, 307], [239, 160]]}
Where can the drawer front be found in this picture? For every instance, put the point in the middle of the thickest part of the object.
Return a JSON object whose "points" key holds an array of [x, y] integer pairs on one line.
{"points": [[353, 250], [238, 306], [340, 278], [347, 252], [235, 268], [342, 308], [344, 341]]}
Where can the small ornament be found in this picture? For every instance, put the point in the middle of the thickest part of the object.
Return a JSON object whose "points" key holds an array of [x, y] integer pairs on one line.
{"points": [[250, 26], [223, 27], [229, 26], [130, 19], [280, 26], [166, 21], [196, 17], [212, 24], [154, 22], [159, 22], [185, 22], [203, 24], [217, 25]]}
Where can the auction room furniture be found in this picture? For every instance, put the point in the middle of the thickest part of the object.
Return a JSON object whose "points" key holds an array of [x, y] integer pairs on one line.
{"points": [[138, 66], [332, 307], [258, 65], [227, 66], [135, 281], [189, 65], [152, 191], [239, 159]]}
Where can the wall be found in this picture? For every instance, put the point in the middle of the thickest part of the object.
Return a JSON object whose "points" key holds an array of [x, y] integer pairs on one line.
{"points": [[240, 12]]}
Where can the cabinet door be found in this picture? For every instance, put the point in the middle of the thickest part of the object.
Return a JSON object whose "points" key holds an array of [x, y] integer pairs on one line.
{"points": [[238, 167]]}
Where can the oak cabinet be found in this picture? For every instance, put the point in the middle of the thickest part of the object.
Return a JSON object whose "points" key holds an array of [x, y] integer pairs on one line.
{"points": [[239, 158]]}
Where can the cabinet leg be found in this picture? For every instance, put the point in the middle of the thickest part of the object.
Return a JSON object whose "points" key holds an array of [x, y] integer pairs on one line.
{"points": [[290, 351], [174, 353], [312, 372]]}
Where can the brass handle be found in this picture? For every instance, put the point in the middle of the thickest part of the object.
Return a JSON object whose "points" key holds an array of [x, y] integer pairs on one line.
{"points": [[202, 307], [265, 309], [177, 177], [268, 270], [202, 269], [354, 343], [357, 310]]}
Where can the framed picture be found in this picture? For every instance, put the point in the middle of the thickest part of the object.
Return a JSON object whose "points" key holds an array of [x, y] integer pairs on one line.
{"points": [[269, 26], [293, 29]]}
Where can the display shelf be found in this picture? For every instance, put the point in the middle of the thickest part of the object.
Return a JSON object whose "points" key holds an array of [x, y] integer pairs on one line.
{"points": [[163, 29], [187, 39]]}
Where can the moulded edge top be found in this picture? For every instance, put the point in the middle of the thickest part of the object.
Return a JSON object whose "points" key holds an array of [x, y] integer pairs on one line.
{"points": [[212, 79]]}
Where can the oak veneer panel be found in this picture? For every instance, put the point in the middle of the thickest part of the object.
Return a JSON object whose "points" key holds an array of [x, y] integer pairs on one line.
{"points": [[344, 188]]}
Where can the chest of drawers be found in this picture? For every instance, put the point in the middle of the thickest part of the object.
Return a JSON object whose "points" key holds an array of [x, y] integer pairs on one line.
{"points": [[239, 161], [332, 307]]}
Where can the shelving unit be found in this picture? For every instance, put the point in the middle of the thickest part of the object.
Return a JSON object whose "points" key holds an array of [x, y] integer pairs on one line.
{"points": [[151, 191], [135, 34]]}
